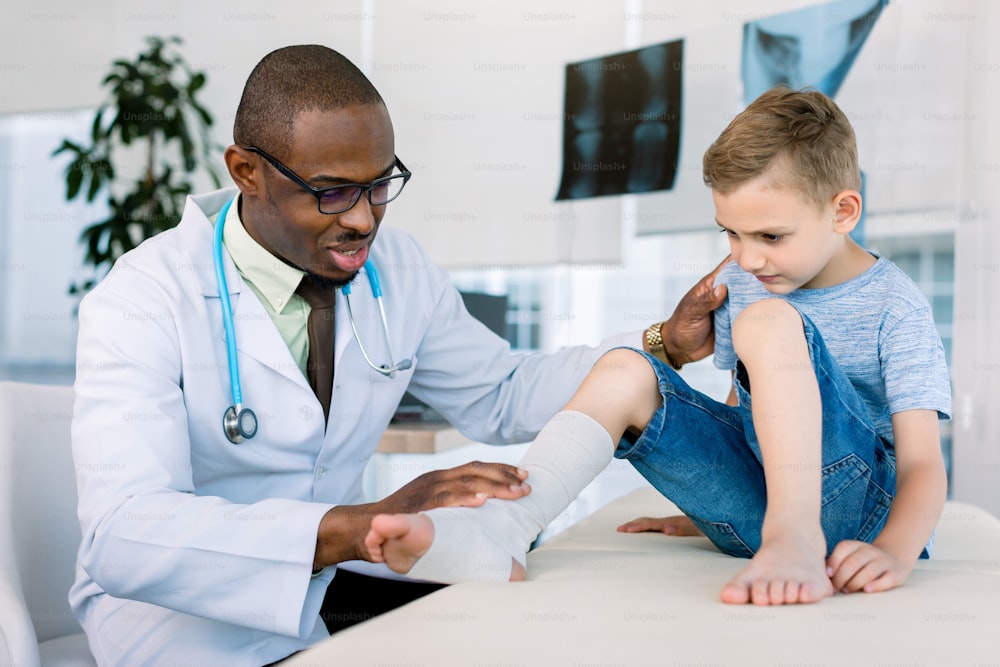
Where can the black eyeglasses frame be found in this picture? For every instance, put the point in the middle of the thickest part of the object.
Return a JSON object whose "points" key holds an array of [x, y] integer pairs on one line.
{"points": [[318, 193]]}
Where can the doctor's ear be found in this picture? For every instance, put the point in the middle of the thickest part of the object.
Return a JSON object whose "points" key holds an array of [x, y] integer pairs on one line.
{"points": [[243, 168]]}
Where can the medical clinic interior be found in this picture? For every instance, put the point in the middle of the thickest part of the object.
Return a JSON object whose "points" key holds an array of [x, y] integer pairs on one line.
{"points": [[554, 159]]}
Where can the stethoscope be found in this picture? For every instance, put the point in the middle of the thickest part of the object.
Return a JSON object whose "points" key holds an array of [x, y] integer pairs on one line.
{"points": [[240, 423]]}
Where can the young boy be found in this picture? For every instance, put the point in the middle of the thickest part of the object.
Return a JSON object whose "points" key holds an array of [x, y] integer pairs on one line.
{"points": [[824, 466]]}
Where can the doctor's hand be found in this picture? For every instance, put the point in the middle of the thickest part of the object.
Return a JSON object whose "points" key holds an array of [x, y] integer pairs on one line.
{"points": [[343, 528], [689, 334], [469, 485]]}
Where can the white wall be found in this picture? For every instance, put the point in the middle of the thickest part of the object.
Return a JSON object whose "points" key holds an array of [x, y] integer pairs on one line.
{"points": [[54, 53], [976, 358], [476, 92], [475, 89]]}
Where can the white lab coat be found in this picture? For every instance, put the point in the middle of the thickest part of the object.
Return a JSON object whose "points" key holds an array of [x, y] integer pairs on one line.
{"points": [[198, 551]]}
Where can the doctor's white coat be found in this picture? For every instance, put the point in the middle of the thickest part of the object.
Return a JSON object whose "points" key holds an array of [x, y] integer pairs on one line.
{"points": [[199, 552]]}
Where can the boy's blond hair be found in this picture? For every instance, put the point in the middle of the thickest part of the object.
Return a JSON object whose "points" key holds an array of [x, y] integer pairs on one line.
{"points": [[803, 131]]}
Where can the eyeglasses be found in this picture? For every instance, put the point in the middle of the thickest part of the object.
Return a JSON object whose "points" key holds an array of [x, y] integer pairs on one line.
{"points": [[340, 198]]}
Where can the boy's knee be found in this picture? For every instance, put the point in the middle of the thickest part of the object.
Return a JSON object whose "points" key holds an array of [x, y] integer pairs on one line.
{"points": [[623, 361], [623, 372], [765, 320], [620, 390]]}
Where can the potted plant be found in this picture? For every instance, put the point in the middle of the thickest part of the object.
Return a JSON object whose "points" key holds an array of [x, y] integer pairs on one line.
{"points": [[153, 109]]}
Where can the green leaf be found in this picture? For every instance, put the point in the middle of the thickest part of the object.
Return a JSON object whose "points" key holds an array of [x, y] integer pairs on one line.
{"points": [[187, 146], [68, 145], [98, 174], [206, 117], [197, 81], [74, 179], [96, 131], [92, 238]]}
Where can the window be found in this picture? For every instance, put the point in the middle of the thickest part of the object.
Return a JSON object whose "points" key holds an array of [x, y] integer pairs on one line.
{"points": [[930, 261], [931, 264], [40, 255], [524, 290], [524, 313]]}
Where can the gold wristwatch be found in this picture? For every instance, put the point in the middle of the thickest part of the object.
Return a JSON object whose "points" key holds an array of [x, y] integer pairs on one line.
{"points": [[654, 341]]}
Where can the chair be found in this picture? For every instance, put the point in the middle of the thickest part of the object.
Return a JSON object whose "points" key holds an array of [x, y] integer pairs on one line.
{"points": [[39, 531]]}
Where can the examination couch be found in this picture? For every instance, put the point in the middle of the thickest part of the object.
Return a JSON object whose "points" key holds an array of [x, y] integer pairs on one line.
{"points": [[595, 597]]}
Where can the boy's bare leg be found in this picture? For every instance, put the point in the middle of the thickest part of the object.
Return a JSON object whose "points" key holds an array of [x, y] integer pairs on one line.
{"points": [[619, 392], [482, 543], [790, 565]]}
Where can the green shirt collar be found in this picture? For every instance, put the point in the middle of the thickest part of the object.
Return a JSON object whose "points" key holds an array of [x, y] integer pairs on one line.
{"points": [[272, 279]]}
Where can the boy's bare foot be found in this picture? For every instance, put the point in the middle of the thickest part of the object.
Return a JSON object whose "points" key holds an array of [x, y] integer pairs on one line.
{"points": [[399, 540], [787, 569]]}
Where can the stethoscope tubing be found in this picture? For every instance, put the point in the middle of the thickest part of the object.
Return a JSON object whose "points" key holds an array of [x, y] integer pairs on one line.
{"points": [[227, 308], [236, 415]]}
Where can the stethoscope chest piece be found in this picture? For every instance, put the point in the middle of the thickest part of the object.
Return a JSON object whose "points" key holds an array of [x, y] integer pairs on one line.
{"points": [[239, 426]]}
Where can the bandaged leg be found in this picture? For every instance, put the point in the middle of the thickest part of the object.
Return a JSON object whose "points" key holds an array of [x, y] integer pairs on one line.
{"points": [[477, 544]]}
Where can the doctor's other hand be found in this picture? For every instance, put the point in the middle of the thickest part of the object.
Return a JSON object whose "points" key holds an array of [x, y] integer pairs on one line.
{"points": [[679, 526], [689, 334]]}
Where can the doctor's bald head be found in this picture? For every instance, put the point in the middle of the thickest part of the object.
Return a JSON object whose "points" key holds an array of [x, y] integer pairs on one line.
{"points": [[291, 80]]}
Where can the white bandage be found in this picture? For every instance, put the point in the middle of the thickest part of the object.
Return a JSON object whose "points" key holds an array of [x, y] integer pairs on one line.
{"points": [[477, 544], [462, 549]]}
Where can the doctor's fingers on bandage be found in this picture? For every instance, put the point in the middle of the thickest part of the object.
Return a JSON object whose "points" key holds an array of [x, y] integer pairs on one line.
{"points": [[468, 485]]}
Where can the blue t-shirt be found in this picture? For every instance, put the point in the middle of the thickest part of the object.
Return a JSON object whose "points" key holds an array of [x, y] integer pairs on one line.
{"points": [[877, 326]]}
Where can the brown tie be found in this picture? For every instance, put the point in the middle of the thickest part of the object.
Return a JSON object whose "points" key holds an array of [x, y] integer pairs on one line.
{"points": [[319, 367]]}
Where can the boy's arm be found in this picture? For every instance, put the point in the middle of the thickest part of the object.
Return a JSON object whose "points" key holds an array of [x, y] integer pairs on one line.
{"points": [[921, 484], [921, 489]]}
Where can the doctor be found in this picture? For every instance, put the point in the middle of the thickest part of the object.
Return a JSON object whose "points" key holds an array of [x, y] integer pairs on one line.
{"points": [[216, 544]]}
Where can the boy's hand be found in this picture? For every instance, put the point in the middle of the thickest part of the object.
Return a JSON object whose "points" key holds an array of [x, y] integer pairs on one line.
{"points": [[680, 526], [858, 566]]}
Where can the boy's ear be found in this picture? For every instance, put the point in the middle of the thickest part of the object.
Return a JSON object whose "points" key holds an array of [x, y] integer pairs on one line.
{"points": [[846, 211]]}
